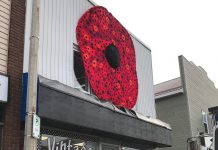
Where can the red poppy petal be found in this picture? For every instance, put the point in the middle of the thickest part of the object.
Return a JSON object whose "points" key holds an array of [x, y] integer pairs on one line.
{"points": [[97, 29]]}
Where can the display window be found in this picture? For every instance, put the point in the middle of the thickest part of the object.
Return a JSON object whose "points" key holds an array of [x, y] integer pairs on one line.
{"points": [[49, 142], [64, 140], [55, 139], [54, 142]]}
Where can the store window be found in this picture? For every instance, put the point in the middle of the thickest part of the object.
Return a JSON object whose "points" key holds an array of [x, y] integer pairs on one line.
{"points": [[58, 140], [49, 142]]}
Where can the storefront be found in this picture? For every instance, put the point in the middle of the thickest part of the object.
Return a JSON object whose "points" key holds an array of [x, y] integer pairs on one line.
{"points": [[82, 107], [74, 120]]}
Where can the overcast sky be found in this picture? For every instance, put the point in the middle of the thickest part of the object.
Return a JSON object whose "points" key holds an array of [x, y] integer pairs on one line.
{"points": [[171, 28]]}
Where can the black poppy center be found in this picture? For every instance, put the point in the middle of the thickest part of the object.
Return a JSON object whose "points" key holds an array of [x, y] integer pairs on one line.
{"points": [[112, 55]]}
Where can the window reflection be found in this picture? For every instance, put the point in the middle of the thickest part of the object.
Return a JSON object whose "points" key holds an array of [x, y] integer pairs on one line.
{"points": [[49, 142]]}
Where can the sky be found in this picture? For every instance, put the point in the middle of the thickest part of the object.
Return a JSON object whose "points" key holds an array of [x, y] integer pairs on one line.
{"points": [[171, 28]]}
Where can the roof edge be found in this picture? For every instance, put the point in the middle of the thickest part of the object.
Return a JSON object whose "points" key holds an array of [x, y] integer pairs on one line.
{"points": [[131, 34]]}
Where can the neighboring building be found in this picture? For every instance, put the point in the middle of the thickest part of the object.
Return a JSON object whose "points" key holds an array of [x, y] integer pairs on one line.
{"points": [[183, 103], [5, 11], [70, 112], [12, 18]]}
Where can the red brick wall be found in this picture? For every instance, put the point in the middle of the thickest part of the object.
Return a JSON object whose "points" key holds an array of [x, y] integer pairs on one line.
{"points": [[13, 138]]}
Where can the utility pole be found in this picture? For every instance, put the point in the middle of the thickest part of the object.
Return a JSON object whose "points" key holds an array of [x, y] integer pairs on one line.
{"points": [[30, 143]]}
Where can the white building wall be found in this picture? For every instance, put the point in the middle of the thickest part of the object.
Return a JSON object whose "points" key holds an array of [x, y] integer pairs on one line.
{"points": [[58, 21], [145, 103]]}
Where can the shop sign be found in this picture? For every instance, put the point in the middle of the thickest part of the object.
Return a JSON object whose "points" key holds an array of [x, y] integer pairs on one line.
{"points": [[36, 127], [3, 88], [68, 144]]}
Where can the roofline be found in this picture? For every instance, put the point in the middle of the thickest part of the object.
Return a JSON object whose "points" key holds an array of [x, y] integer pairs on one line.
{"points": [[166, 94], [131, 34], [137, 39], [166, 81], [92, 2]]}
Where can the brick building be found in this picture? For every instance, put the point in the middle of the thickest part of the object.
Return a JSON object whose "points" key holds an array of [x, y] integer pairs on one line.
{"points": [[69, 112], [12, 22]]}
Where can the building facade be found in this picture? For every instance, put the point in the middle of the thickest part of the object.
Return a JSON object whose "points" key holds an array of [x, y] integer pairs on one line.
{"points": [[183, 102], [12, 22], [72, 116]]}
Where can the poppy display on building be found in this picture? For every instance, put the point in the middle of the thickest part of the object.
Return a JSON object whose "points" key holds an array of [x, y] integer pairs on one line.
{"points": [[108, 56]]}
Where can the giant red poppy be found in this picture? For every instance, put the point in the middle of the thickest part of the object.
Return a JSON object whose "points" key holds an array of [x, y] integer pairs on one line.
{"points": [[108, 56]]}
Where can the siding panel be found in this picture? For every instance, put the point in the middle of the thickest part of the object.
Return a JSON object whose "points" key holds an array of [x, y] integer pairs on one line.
{"points": [[5, 3], [8, 2], [4, 32], [174, 110], [3, 35], [3, 62], [3, 57], [4, 9], [4, 25], [58, 20], [4, 20], [57, 35], [2, 68], [3, 48], [145, 103], [4, 41], [4, 15]]}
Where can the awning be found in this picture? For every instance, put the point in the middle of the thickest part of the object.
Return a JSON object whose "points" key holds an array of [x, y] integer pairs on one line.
{"points": [[64, 107]]}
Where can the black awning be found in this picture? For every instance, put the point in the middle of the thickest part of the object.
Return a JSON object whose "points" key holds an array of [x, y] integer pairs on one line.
{"points": [[63, 110]]}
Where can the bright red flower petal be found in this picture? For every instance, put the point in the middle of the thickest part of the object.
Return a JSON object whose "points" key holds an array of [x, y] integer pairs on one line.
{"points": [[97, 29]]}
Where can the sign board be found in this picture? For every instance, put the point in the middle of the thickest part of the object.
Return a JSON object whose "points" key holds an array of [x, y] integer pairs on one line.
{"points": [[64, 143], [36, 127], [3, 88]]}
